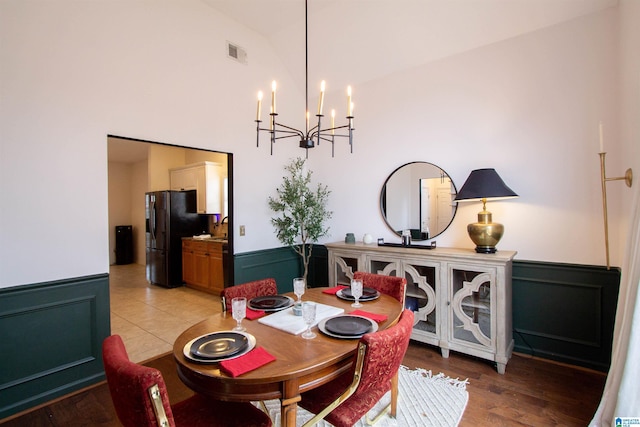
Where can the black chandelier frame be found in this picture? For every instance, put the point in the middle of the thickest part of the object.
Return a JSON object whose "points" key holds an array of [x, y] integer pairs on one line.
{"points": [[311, 136]]}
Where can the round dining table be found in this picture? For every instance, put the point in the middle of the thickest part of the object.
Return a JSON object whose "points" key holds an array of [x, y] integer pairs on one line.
{"points": [[300, 364]]}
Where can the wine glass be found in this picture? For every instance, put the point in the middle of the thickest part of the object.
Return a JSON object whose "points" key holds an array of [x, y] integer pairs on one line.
{"points": [[356, 291], [298, 288], [239, 310], [309, 316]]}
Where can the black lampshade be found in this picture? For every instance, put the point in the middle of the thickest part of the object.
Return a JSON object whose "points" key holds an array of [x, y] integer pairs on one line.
{"points": [[484, 184]]}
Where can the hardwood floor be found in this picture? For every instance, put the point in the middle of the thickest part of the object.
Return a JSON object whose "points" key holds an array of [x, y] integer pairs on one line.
{"points": [[532, 392]]}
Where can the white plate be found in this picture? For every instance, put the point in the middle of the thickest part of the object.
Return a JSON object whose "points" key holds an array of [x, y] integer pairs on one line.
{"points": [[321, 327], [187, 349]]}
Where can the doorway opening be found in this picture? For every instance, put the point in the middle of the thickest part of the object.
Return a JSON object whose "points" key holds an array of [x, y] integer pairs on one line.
{"points": [[136, 167]]}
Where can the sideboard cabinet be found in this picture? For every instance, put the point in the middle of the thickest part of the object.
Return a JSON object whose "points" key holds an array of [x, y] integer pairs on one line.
{"points": [[461, 299]]}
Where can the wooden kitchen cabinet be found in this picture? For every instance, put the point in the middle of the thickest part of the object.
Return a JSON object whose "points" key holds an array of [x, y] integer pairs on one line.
{"points": [[461, 299], [202, 266]]}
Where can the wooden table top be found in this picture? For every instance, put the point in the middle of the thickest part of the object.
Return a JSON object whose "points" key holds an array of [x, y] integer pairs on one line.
{"points": [[300, 364]]}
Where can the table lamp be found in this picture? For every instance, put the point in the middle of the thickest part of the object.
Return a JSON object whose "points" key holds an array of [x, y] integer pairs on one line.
{"points": [[483, 184]]}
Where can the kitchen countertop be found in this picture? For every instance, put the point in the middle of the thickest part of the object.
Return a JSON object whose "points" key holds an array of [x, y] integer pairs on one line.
{"points": [[208, 239]]}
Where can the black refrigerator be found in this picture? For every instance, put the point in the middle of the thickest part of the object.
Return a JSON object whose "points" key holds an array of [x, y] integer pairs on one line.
{"points": [[170, 216]]}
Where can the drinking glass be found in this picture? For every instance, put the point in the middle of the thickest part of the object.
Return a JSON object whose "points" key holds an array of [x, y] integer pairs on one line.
{"points": [[239, 310], [298, 288], [356, 291], [309, 316]]}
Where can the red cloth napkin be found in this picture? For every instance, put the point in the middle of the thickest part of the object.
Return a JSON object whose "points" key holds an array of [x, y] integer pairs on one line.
{"points": [[333, 290], [248, 362], [254, 314], [373, 316]]}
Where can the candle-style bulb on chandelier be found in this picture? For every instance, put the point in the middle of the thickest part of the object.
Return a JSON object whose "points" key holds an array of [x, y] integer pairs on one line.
{"points": [[311, 136]]}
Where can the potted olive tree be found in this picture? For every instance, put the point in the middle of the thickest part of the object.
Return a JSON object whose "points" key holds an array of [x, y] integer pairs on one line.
{"points": [[300, 211]]}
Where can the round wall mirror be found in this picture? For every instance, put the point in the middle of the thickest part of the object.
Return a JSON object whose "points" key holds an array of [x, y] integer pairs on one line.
{"points": [[419, 197]]}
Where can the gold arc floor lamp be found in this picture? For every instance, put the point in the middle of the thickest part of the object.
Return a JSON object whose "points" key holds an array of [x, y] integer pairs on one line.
{"points": [[628, 179], [484, 184]]}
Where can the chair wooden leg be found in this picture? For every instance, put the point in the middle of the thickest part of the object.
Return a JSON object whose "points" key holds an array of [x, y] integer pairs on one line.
{"points": [[393, 405], [394, 395]]}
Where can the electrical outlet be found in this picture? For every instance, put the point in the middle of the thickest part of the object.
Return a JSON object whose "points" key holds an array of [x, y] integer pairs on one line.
{"points": [[242, 230]]}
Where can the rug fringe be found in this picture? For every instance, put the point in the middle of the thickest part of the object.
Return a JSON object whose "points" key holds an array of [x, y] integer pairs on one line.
{"points": [[439, 378], [425, 400]]}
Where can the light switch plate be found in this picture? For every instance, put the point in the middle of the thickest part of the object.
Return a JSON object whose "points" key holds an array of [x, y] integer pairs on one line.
{"points": [[242, 230]]}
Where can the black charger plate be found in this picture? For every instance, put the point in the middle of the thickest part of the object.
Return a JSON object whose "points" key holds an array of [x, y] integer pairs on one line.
{"points": [[368, 294], [270, 302], [219, 345]]}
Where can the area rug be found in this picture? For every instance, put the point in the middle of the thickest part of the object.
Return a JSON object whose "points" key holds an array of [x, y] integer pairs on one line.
{"points": [[425, 400]]}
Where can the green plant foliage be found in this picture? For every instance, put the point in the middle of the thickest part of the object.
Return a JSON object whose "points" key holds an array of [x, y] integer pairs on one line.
{"points": [[301, 211]]}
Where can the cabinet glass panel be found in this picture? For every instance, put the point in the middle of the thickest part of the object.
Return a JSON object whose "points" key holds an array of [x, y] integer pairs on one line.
{"points": [[388, 268], [344, 268], [421, 296], [471, 305]]}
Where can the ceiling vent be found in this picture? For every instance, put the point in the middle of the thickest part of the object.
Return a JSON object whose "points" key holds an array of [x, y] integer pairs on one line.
{"points": [[236, 53]]}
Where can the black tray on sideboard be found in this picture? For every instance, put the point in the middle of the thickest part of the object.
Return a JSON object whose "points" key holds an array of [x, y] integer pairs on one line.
{"points": [[432, 245]]}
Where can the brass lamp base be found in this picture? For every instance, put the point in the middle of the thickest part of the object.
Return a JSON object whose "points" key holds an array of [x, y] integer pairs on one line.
{"points": [[485, 234]]}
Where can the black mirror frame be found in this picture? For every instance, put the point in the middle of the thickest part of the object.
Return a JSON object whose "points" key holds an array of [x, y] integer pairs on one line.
{"points": [[383, 201]]}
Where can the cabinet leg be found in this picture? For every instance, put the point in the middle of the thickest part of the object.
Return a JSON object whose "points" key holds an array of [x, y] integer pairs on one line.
{"points": [[501, 367], [445, 352]]}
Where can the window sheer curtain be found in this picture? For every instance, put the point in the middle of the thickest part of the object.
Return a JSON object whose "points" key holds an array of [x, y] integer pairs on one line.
{"points": [[621, 396]]}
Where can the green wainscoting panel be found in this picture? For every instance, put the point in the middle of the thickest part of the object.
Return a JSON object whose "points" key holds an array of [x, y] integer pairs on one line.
{"points": [[319, 267], [283, 264], [565, 312], [562, 312], [51, 333], [51, 340]]}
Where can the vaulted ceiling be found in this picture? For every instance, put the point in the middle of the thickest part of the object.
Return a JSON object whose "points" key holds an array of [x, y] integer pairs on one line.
{"points": [[351, 41]]}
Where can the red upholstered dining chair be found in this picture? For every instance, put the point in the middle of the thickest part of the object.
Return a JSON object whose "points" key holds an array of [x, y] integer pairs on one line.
{"points": [[140, 397], [389, 285], [257, 288], [343, 401]]}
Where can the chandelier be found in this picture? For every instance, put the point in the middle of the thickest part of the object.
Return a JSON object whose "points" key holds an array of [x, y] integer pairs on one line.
{"points": [[311, 136]]}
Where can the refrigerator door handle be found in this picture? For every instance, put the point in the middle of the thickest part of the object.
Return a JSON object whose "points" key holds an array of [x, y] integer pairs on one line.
{"points": [[152, 220]]}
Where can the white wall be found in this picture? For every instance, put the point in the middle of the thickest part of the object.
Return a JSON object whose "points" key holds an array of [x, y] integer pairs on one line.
{"points": [[120, 201], [127, 185], [138, 188], [627, 153], [529, 107], [74, 72]]}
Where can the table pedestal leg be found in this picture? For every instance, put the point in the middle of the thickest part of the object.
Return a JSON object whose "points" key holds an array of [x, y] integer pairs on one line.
{"points": [[289, 403]]}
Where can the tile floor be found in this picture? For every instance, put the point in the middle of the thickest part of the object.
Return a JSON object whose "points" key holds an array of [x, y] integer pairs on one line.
{"points": [[149, 318]]}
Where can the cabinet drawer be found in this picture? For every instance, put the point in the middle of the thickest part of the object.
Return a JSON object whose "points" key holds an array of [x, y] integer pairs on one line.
{"points": [[194, 245], [214, 248], [199, 246]]}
